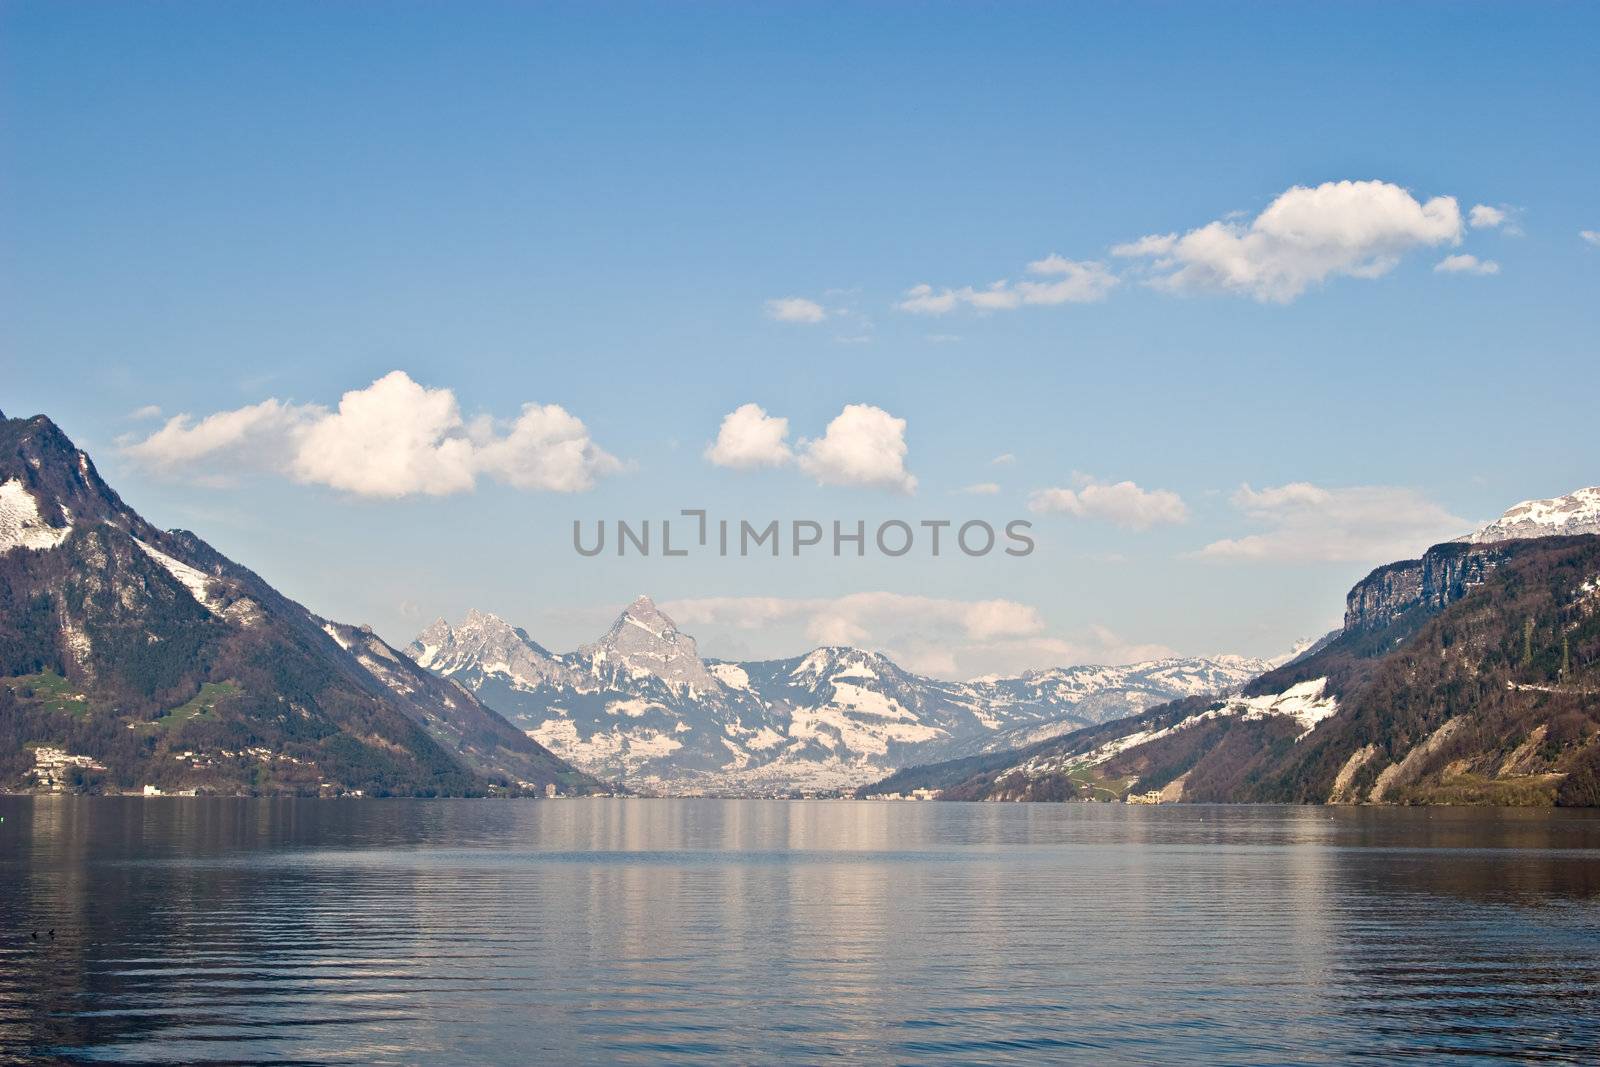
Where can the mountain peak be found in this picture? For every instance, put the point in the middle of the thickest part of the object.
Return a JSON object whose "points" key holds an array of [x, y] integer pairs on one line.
{"points": [[476, 619], [644, 610], [437, 635], [645, 640], [1576, 513], [484, 642], [60, 478]]}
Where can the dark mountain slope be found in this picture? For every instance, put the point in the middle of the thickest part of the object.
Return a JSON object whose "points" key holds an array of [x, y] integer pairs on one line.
{"points": [[132, 647], [1496, 699], [1471, 675]]}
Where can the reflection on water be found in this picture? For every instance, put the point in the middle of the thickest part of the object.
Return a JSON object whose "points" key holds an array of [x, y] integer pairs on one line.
{"points": [[521, 932]]}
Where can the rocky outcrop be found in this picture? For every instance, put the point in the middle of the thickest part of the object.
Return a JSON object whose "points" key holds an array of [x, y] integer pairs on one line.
{"points": [[1443, 575]]}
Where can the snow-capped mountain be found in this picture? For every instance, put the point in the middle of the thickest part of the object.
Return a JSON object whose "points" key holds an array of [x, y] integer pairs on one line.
{"points": [[641, 704], [1047, 703], [644, 644], [490, 646], [1576, 513]]}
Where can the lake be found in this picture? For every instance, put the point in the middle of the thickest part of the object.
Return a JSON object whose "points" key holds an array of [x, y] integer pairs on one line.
{"points": [[695, 931]]}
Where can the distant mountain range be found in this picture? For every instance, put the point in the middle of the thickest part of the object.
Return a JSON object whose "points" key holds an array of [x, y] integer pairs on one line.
{"points": [[132, 656], [1468, 676], [640, 704]]}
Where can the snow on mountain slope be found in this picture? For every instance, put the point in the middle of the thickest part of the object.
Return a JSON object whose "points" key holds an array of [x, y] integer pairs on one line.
{"points": [[21, 525], [1576, 513], [191, 578], [1306, 704], [486, 643]]}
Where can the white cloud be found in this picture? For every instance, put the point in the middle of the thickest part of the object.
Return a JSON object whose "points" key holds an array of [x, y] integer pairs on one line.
{"points": [[795, 309], [149, 411], [547, 448], [1123, 503], [253, 437], [1466, 263], [1156, 244], [1484, 217], [982, 489], [748, 438], [1356, 229], [922, 300], [944, 637], [1359, 524], [1592, 236], [393, 438], [1004, 459], [863, 613], [1058, 280], [864, 446]]}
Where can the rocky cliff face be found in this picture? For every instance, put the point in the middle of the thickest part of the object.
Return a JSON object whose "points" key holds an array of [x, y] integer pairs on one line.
{"points": [[1446, 572], [1442, 576], [645, 644]]}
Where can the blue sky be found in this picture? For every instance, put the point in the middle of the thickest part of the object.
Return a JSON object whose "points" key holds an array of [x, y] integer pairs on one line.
{"points": [[210, 206]]}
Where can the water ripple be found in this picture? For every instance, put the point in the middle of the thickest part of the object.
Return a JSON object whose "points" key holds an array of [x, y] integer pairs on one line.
{"points": [[694, 932]]}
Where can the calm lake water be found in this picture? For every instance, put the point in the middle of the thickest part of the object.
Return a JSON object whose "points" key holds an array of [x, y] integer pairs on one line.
{"points": [[746, 931]]}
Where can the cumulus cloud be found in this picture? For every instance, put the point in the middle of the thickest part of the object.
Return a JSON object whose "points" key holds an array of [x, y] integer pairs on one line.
{"points": [[545, 448], [1055, 280], [1592, 236], [795, 309], [749, 438], [1484, 217], [947, 638], [394, 438], [1357, 229], [1004, 459], [1466, 263], [1303, 522], [149, 411], [862, 446], [1122, 503]]}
